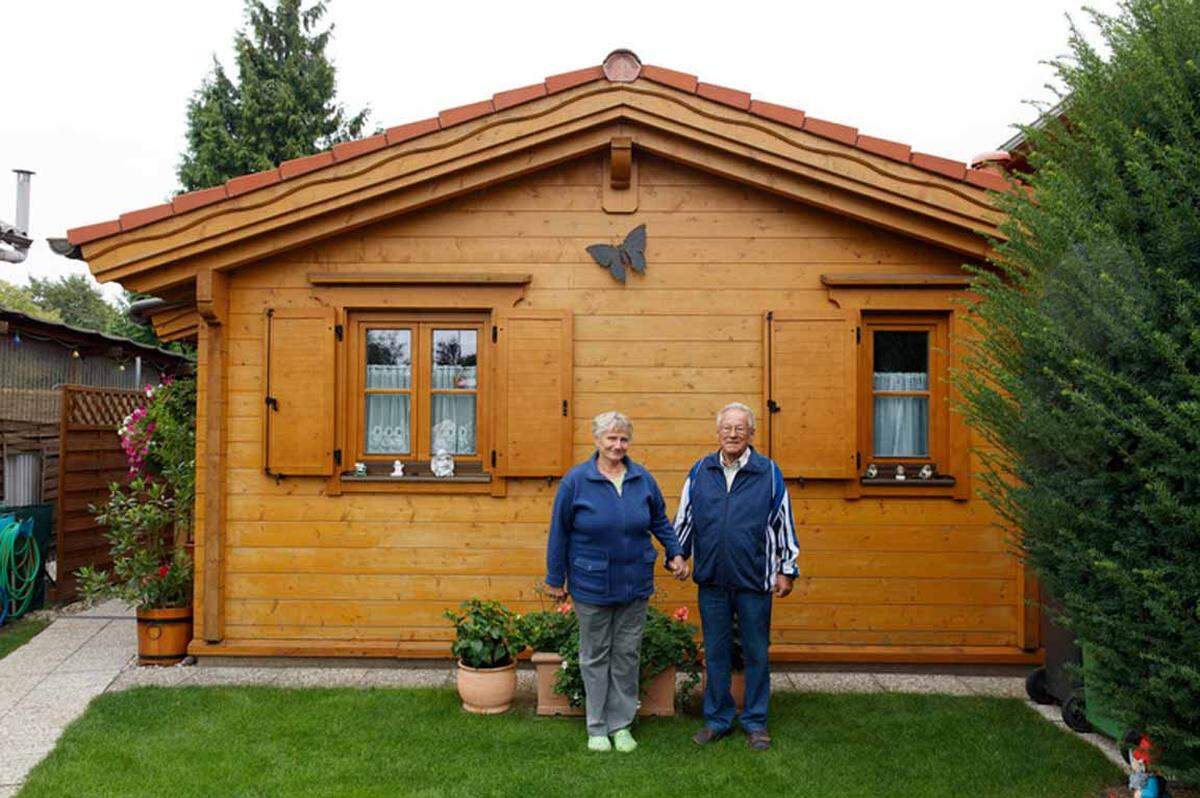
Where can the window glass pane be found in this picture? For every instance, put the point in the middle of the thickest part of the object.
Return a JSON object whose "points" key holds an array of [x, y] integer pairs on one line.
{"points": [[901, 426], [387, 424], [901, 360], [901, 423], [453, 419], [389, 358], [454, 359]]}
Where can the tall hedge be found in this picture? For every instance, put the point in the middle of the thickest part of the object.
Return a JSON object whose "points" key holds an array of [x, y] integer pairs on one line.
{"points": [[1085, 380]]}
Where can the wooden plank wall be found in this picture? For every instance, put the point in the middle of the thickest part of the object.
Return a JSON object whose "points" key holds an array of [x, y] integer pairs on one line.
{"points": [[91, 459], [668, 349]]}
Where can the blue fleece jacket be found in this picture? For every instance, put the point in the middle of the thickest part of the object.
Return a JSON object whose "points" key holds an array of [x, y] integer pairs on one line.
{"points": [[600, 540]]}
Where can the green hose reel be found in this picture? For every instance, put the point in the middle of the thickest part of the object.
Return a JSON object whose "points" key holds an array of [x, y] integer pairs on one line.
{"points": [[20, 566]]}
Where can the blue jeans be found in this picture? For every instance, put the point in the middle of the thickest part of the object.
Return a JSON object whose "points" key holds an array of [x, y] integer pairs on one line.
{"points": [[718, 607]]}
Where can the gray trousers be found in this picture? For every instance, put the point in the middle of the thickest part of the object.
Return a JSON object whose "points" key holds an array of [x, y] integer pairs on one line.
{"points": [[610, 644]]}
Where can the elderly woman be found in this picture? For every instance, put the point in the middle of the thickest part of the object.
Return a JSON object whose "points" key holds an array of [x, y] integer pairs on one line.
{"points": [[600, 552]]}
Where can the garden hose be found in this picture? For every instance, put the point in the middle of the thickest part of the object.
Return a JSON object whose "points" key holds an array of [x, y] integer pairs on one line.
{"points": [[20, 566]]}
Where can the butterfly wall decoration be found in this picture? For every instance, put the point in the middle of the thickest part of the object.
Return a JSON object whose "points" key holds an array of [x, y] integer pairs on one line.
{"points": [[629, 253]]}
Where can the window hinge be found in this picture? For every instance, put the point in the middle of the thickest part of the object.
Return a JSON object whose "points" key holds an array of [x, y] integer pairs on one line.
{"points": [[337, 456], [858, 335], [339, 331], [493, 458], [858, 461], [272, 403], [772, 406], [564, 408], [770, 315], [495, 333]]}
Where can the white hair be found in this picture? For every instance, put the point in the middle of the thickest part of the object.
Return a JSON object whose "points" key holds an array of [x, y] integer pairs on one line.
{"points": [[610, 419], [736, 406]]}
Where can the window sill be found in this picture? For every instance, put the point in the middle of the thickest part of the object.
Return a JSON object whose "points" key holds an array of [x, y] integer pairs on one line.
{"points": [[458, 484], [940, 481]]}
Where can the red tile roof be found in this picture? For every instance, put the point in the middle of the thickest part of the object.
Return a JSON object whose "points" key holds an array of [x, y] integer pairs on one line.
{"points": [[985, 176]]}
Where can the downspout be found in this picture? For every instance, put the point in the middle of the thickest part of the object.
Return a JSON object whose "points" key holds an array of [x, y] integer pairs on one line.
{"points": [[18, 236]]}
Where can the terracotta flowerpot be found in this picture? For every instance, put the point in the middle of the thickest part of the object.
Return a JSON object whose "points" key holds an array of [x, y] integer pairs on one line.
{"points": [[487, 691], [163, 635], [548, 665], [659, 696]]}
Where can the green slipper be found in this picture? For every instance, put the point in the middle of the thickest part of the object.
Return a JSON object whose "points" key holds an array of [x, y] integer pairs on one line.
{"points": [[624, 741], [599, 744]]}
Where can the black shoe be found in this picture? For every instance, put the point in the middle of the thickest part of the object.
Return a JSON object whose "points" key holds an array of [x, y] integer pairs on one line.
{"points": [[759, 739], [708, 735]]}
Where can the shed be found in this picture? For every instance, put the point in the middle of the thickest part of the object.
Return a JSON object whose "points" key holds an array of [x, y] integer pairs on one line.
{"points": [[431, 287]]}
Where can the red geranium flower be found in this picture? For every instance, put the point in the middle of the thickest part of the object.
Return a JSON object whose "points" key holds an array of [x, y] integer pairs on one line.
{"points": [[565, 608], [680, 614], [164, 571]]}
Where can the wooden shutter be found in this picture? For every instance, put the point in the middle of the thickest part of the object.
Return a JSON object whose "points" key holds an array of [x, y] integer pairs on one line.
{"points": [[533, 393], [812, 383], [299, 392]]}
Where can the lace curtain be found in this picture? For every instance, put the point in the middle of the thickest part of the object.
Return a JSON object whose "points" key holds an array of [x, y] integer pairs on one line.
{"points": [[453, 415], [901, 422], [387, 414]]}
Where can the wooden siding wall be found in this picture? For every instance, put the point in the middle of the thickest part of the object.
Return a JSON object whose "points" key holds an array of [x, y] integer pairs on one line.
{"points": [[668, 349]]}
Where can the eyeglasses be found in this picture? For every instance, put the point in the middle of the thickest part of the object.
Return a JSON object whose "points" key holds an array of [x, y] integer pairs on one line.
{"points": [[726, 430]]}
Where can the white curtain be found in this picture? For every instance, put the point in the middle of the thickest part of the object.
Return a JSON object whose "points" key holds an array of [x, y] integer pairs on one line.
{"points": [[901, 422], [388, 414], [453, 415]]}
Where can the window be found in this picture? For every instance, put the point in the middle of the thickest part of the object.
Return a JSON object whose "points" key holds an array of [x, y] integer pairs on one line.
{"points": [[416, 387], [904, 418]]}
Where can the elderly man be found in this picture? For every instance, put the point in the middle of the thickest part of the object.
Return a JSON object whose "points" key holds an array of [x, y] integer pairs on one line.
{"points": [[735, 515]]}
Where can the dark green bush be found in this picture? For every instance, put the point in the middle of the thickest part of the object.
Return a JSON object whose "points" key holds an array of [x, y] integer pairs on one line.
{"points": [[1086, 378]]}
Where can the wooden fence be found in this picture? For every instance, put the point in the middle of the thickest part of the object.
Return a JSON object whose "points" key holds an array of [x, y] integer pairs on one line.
{"points": [[90, 460]]}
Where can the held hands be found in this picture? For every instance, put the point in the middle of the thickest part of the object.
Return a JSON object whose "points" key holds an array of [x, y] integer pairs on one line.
{"points": [[679, 567], [557, 593], [783, 584]]}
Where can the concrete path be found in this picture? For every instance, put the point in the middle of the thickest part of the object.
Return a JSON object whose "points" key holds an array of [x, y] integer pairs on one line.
{"points": [[48, 682]]}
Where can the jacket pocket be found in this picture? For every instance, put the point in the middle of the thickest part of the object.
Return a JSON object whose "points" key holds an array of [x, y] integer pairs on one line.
{"points": [[648, 561], [589, 573]]}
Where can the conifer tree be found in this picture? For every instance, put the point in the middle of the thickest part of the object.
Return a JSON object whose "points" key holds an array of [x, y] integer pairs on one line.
{"points": [[280, 107], [1085, 375]]}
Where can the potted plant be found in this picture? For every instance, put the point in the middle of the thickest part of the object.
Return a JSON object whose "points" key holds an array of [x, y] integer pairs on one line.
{"points": [[668, 648], [148, 520], [548, 632], [486, 644]]}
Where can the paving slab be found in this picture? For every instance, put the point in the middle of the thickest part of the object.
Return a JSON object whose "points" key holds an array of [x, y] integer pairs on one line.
{"points": [[822, 682], [926, 683]]}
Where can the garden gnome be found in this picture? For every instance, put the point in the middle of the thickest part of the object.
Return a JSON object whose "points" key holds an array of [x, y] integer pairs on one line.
{"points": [[442, 464], [1144, 783]]}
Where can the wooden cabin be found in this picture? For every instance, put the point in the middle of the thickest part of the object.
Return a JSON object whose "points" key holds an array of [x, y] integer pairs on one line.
{"points": [[431, 287]]}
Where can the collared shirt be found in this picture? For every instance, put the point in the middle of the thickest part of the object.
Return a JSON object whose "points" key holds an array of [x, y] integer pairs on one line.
{"points": [[731, 469]]}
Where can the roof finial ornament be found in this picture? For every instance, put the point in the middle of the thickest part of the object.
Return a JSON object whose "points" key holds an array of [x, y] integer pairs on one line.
{"points": [[622, 66]]}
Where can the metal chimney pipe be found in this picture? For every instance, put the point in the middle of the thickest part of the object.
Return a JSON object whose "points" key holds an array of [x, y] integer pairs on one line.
{"points": [[23, 180]]}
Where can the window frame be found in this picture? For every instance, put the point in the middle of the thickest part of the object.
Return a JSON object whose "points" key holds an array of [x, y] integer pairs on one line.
{"points": [[468, 468], [937, 324]]}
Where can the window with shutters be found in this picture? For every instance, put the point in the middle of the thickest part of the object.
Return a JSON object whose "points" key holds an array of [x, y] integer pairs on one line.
{"points": [[904, 410], [418, 387]]}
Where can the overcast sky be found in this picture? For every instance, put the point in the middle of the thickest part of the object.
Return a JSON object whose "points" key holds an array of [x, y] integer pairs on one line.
{"points": [[96, 92]]}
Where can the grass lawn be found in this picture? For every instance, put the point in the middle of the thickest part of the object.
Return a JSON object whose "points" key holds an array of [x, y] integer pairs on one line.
{"points": [[14, 634], [261, 741]]}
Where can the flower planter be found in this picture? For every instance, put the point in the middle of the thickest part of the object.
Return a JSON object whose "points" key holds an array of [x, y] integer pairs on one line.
{"points": [[487, 691], [547, 666], [658, 698], [163, 635]]}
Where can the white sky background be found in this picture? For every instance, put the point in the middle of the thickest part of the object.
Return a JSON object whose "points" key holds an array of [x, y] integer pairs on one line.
{"points": [[96, 93]]}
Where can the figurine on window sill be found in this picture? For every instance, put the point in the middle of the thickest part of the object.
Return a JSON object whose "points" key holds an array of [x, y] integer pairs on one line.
{"points": [[397, 469], [442, 464]]}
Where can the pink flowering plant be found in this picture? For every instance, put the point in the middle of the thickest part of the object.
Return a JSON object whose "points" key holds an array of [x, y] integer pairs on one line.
{"points": [[148, 519]]}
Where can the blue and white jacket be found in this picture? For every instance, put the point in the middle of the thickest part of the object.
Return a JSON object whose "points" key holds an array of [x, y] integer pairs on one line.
{"points": [[741, 536]]}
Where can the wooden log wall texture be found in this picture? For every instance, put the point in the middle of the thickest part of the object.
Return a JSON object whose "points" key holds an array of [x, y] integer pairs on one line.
{"points": [[310, 573]]}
